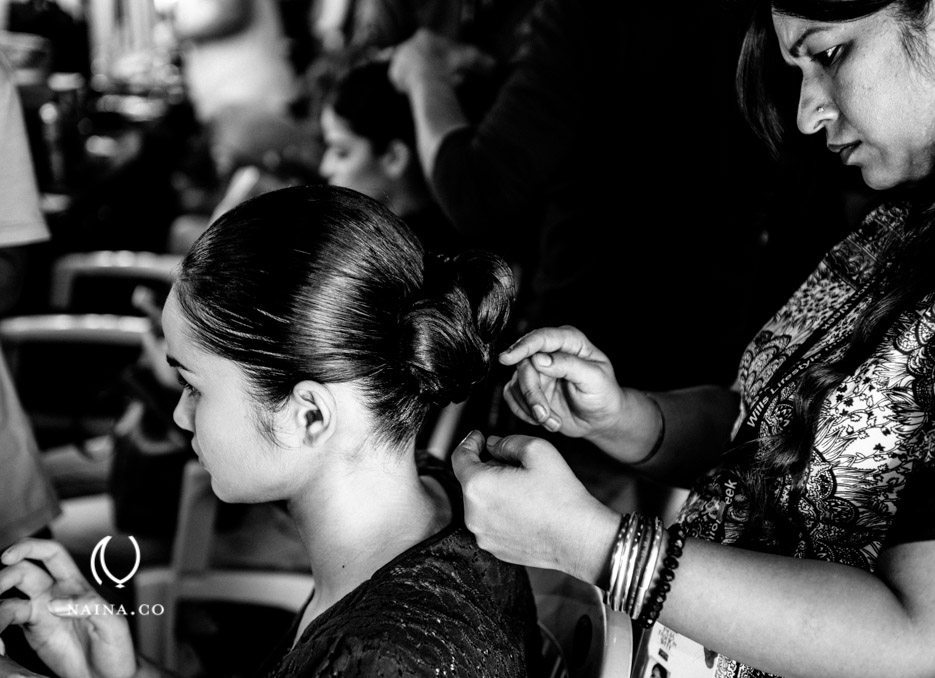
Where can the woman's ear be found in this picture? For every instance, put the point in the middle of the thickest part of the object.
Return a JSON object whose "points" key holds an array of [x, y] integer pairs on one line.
{"points": [[311, 412], [396, 159]]}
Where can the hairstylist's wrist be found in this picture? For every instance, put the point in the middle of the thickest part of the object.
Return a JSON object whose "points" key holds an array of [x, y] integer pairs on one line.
{"points": [[634, 431], [590, 539]]}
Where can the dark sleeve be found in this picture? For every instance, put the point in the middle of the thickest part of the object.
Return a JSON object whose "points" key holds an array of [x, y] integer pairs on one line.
{"points": [[487, 176], [915, 515]]}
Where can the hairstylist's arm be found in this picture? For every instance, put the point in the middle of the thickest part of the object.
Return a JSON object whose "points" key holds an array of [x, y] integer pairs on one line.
{"points": [[426, 68], [55, 619], [566, 384], [788, 616]]}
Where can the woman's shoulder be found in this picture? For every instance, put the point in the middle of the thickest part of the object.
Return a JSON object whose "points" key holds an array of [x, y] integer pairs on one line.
{"points": [[426, 612]]}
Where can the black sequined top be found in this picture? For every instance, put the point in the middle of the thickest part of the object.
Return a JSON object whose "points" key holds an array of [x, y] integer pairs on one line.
{"points": [[441, 608]]}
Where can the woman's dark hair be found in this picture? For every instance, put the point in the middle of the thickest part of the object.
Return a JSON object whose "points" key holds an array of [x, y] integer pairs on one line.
{"points": [[373, 108], [324, 283], [905, 271]]}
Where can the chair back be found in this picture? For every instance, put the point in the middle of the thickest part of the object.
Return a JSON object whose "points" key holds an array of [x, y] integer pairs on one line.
{"points": [[68, 371], [104, 281]]}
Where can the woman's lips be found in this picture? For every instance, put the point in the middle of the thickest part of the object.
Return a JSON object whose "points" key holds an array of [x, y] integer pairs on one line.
{"points": [[844, 151]]}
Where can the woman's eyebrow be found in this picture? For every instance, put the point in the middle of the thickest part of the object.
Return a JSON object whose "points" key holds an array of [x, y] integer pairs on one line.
{"points": [[796, 49]]}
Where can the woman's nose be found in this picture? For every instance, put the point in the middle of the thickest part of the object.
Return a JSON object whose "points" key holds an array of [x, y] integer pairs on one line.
{"points": [[182, 414], [816, 109], [326, 167]]}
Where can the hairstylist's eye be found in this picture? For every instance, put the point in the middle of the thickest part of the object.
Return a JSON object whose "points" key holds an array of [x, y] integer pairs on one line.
{"points": [[828, 56]]}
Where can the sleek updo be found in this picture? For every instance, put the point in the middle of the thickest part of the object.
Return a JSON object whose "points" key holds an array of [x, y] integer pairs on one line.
{"points": [[324, 283]]}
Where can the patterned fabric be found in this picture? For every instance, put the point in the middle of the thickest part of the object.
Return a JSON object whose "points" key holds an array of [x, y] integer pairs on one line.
{"points": [[442, 608], [874, 432]]}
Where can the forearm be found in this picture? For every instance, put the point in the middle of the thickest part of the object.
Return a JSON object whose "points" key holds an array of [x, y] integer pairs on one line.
{"points": [[788, 616], [797, 617], [436, 112], [697, 423]]}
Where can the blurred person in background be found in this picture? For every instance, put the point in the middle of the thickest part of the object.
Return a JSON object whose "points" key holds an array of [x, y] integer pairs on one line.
{"points": [[28, 502], [370, 147]]}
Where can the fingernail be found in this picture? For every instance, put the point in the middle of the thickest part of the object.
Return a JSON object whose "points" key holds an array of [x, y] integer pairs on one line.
{"points": [[6, 554], [552, 424], [470, 433], [60, 606], [493, 440], [540, 412], [542, 359]]}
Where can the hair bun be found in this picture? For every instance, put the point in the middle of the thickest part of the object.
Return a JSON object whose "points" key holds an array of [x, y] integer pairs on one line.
{"points": [[450, 330]]}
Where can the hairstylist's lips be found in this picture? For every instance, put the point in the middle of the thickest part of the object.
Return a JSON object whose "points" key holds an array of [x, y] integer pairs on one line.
{"points": [[844, 151]]}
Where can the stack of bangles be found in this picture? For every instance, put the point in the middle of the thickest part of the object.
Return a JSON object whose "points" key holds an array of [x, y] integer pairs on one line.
{"points": [[640, 573]]}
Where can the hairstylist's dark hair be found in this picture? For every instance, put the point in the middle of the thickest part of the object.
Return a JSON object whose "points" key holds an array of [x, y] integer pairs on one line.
{"points": [[366, 99], [905, 270], [324, 283]]}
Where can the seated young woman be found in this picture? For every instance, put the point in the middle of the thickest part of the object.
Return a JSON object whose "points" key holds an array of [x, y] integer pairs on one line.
{"points": [[312, 334]]}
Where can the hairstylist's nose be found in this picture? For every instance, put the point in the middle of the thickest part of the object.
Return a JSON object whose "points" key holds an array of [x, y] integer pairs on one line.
{"points": [[815, 109]]}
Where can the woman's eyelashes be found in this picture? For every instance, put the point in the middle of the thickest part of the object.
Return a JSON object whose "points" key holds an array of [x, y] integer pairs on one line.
{"points": [[827, 57], [188, 388]]}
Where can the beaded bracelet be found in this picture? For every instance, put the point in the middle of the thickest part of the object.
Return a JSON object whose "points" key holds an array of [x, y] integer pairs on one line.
{"points": [[662, 432], [670, 563]]}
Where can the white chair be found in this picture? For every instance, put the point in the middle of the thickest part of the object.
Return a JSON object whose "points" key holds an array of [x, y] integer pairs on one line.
{"points": [[581, 637]]}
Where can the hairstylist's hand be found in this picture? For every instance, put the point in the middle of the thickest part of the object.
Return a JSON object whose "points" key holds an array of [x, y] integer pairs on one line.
{"points": [[427, 56], [563, 383], [526, 506], [56, 619]]}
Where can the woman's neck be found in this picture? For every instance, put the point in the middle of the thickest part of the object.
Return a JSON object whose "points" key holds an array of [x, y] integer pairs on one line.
{"points": [[361, 514]]}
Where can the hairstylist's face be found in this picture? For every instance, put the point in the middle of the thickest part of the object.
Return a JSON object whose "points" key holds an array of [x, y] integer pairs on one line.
{"points": [[349, 160], [216, 407], [875, 103]]}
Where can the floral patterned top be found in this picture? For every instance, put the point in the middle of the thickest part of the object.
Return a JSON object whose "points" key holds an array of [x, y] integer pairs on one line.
{"points": [[875, 431]]}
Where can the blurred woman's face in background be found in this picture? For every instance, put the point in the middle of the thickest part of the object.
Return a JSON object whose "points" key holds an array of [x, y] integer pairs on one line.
{"points": [[874, 102], [349, 160]]}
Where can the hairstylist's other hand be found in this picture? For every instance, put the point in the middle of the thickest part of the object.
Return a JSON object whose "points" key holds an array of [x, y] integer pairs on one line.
{"points": [[58, 619], [526, 506], [562, 383]]}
